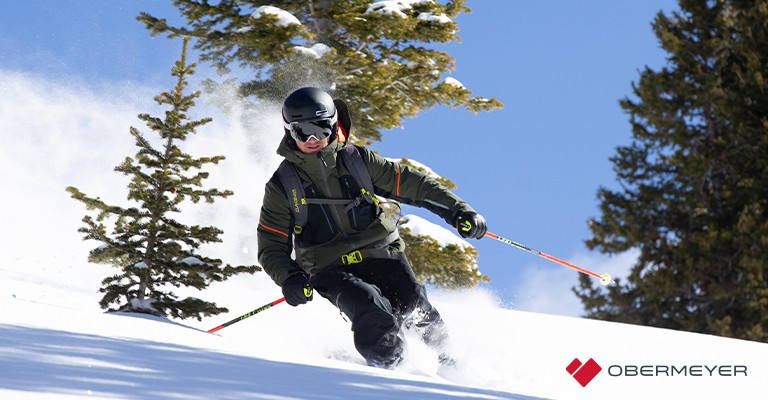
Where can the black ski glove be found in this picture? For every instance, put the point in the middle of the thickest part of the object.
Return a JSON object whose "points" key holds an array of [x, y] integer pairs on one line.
{"points": [[297, 290], [471, 225]]}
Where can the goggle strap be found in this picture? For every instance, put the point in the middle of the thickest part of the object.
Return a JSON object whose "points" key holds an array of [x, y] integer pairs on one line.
{"points": [[333, 118]]}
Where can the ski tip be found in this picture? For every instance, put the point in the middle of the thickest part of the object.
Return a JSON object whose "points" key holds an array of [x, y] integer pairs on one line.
{"points": [[605, 279]]}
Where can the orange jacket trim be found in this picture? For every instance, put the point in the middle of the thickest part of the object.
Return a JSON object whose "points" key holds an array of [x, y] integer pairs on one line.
{"points": [[397, 189], [273, 230]]}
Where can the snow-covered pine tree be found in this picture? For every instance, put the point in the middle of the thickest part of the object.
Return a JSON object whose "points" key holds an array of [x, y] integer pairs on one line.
{"points": [[377, 56], [153, 251]]}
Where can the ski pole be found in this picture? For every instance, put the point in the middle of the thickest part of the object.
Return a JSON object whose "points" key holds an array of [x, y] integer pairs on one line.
{"points": [[605, 279], [246, 315]]}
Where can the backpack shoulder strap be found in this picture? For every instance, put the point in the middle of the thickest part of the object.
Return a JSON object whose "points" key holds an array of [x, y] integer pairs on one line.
{"points": [[354, 162], [294, 192], [356, 166]]}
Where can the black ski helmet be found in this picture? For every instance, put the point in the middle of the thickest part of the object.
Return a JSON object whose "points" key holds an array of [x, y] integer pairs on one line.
{"points": [[309, 104]]}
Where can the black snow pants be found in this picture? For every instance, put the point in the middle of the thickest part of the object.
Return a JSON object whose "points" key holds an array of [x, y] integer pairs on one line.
{"points": [[379, 296]]}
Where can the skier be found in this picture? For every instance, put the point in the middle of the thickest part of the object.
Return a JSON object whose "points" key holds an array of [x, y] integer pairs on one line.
{"points": [[345, 249]]}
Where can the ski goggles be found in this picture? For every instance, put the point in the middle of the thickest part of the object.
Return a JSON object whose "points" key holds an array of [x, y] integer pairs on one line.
{"points": [[304, 130]]}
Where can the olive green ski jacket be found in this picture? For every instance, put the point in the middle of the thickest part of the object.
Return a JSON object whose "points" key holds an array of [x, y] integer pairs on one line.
{"points": [[331, 232]]}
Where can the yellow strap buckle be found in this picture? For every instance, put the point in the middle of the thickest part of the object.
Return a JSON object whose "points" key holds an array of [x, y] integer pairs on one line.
{"points": [[297, 229], [369, 197], [352, 258]]}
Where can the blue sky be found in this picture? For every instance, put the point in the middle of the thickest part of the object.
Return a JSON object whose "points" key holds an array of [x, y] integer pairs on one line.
{"points": [[533, 168]]}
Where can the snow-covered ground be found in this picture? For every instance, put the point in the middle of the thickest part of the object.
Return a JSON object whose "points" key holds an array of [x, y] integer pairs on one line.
{"points": [[55, 342]]}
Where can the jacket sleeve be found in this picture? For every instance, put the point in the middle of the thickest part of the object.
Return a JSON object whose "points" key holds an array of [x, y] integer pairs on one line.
{"points": [[274, 235], [409, 186]]}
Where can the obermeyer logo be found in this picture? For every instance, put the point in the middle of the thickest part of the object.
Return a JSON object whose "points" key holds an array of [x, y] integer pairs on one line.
{"points": [[583, 373]]}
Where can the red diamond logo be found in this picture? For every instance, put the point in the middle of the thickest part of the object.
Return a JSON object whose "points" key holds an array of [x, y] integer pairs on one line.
{"points": [[583, 373]]}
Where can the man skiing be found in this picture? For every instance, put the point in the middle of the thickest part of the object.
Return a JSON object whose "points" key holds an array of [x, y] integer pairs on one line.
{"points": [[324, 197]]}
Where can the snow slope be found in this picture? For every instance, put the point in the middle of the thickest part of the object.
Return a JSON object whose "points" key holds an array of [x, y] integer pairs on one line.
{"points": [[55, 342]]}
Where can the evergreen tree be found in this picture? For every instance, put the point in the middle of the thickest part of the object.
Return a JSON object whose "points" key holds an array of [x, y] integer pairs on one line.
{"points": [[373, 55], [694, 180], [153, 251]]}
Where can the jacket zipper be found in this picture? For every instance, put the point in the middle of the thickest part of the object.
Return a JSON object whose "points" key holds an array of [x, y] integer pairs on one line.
{"points": [[334, 211], [352, 211]]}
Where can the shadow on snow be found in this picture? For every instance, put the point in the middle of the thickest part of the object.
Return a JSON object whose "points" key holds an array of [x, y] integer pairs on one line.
{"points": [[52, 361]]}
